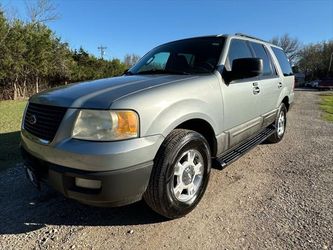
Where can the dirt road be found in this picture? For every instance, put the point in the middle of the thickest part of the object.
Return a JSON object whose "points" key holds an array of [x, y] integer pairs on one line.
{"points": [[276, 196]]}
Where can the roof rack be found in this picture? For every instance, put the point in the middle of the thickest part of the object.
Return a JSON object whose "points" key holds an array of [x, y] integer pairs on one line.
{"points": [[253, 37]]}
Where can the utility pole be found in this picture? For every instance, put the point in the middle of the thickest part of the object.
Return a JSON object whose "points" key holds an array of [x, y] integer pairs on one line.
{"points": [[102, 49]]}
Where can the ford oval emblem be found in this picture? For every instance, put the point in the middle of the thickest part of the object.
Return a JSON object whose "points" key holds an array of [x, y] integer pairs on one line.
{"points": [[32, 119]]}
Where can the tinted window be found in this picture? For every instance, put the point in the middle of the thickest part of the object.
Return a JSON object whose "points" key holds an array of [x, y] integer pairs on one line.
{"points": [[260, 52], [156, 62], [195, 55], [189, 58], [238, 49], [283, 61]]}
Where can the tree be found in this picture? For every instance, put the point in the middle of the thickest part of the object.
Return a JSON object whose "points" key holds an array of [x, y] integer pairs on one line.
{"points": [[61, 64], [291, 46], [4, 30], [314, 59], [131, 59], [33, 58], [41, 12], [15, 62]]}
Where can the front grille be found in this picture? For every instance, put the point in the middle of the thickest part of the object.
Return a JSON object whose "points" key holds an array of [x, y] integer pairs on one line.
{"points": [[43, 120]]}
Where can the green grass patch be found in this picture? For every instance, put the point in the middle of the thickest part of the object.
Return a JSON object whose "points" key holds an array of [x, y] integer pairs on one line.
{"points": [[10, 123], [326, 105]]}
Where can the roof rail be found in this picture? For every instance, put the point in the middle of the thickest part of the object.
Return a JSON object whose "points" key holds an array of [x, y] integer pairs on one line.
{"points": [[253, 37]]}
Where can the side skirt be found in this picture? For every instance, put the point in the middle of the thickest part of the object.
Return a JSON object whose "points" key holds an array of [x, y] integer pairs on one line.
{"points": [[233, 154]]}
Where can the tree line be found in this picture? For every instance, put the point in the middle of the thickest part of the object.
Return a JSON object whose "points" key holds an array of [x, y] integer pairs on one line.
{"points": [[33, 58], [314, 60]]}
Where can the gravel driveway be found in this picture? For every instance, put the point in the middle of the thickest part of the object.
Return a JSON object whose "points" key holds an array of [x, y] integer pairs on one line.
{"points": [[276, 196]]}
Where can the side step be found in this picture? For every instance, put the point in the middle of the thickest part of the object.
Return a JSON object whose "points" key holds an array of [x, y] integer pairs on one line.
{"points": [[232, 155]]}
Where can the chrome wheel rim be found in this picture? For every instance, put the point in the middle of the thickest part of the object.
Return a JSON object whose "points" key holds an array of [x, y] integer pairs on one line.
{"points": [[188, 176], [281, 124]]}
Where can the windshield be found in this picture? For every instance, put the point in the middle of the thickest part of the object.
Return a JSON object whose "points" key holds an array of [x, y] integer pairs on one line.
{"points": [[190, 56]]}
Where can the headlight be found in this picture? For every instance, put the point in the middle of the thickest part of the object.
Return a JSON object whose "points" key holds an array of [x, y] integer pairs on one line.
{"points": [[106, 125]]}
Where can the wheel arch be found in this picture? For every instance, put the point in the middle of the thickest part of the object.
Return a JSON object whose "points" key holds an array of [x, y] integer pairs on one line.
{"points": [[285, 100], [204, 128]]}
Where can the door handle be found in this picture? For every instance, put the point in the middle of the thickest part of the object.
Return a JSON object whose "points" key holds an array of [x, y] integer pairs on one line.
{"points": [[256, 90], [280, 85]]}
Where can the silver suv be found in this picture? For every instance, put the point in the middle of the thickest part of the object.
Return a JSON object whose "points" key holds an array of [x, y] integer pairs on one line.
{"points": [[155, 132]]}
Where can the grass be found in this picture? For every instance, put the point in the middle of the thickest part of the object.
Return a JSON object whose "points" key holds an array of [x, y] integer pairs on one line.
{"points": [[10, 122], [326, 105]]}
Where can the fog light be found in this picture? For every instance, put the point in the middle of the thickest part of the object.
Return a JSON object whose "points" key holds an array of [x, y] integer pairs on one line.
{"points": [[85, 183]]}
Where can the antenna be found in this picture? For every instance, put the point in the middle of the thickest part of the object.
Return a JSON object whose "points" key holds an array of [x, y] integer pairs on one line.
{"points": [[102, 49]]}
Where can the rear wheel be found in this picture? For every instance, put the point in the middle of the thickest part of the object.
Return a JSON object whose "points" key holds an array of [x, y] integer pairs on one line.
{"points": [[280, 124], [180, 174]]}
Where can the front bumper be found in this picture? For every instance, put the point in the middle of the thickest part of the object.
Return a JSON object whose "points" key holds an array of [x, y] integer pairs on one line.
{"points": [[117, 188], [122, 168], [91, 155]]}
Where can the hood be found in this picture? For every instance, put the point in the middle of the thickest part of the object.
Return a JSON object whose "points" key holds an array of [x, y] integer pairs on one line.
{"points": [[100, 94]]}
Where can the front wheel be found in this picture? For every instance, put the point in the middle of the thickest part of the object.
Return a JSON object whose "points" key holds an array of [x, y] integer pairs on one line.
{"points": [[280, 125], [180, 174]]}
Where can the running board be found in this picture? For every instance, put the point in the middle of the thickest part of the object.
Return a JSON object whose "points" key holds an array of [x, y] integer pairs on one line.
{"points": [[231, 156]]}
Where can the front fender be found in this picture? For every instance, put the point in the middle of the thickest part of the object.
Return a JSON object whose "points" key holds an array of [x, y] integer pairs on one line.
{"points": [[163, 108], [179, 112]]}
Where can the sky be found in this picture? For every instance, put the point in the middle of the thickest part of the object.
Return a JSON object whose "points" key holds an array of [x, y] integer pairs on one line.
{"points": [[138, 26]]}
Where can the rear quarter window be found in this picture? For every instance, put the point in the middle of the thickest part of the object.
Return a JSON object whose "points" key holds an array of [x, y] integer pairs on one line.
{"points": [[283, 61]]}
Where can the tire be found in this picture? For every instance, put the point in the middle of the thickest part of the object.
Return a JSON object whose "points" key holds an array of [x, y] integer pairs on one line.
{"points": [[278, 134], [166, 193]]}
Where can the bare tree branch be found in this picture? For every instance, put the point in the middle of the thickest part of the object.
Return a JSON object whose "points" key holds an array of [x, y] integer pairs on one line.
{"points": [[131, 59], [290, 45], [42, 11]]}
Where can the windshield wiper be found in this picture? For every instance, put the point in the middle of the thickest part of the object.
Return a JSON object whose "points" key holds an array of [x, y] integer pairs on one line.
{"points": [[160, 71]]}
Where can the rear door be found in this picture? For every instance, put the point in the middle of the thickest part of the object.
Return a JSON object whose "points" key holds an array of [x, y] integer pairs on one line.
{"points": [[269, 83], [240, 98], [285, 71]]}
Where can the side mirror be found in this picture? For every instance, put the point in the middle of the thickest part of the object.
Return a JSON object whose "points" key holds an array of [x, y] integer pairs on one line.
{"points": [[246, 68]]}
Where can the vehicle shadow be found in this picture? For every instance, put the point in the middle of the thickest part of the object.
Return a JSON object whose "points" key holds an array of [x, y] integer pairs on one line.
{"points": [[25, 209], [9, 149]]}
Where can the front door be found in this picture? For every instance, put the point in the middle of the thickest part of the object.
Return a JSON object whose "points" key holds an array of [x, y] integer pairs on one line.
{"points": [[240, 98]]}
